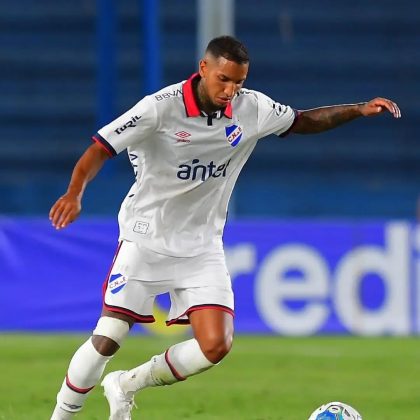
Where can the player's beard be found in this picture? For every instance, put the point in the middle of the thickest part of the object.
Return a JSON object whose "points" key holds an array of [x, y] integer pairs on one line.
{"points": [[205, 102]]}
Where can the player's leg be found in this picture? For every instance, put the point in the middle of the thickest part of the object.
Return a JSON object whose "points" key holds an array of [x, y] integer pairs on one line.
{"points": [[88, 363], [209, 310], [213, 330], [213, 334]]}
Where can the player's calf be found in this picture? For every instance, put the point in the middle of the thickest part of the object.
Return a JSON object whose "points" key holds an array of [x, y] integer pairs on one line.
{"points": [[176, 364], [87, 366]]}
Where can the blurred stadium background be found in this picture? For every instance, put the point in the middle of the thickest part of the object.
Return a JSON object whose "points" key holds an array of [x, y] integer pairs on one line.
{"points": [[304, 54], [322, 235]]}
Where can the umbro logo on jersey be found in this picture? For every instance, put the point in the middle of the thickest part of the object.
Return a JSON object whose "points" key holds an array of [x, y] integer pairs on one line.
{"points": [[131, 123], [233, 134], [183, 137]]}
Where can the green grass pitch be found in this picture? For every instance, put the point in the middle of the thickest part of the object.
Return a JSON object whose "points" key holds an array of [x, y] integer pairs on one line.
{"points": [[263, 378]]}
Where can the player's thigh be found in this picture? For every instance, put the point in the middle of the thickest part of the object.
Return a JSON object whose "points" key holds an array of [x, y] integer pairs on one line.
{"points": [[130, 290], [185, 301]]}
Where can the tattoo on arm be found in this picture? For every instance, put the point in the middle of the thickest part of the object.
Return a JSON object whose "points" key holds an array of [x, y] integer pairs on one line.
{"points": [[321, 119]]}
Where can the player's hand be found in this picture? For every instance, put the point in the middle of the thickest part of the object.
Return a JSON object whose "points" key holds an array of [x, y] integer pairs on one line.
{"points": [[66, 209], [378, 105]]}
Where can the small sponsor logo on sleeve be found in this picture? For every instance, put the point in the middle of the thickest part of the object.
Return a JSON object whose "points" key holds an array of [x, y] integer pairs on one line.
{"points": [[167, 95], [128, 124], [141, 227], [278, 108]]}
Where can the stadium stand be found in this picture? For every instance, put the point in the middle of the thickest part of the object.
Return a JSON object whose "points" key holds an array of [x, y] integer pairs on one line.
{"points": [[302, 54]]}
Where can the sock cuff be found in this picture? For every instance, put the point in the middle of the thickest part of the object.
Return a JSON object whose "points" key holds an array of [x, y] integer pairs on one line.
{"points": [[114, 328], [186, 359], [172, 368]]}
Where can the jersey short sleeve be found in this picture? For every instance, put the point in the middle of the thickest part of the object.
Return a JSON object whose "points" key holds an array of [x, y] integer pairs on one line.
{"points": [[131, 128], [273, 117]]}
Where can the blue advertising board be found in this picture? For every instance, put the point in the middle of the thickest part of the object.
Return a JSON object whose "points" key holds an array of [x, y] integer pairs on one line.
{"points": [[289, 277]]}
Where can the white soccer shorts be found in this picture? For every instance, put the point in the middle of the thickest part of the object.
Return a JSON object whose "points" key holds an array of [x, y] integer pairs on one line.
{"points": [[138, 275]]}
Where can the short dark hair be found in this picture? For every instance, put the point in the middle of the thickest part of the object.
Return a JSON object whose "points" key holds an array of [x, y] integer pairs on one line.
{"points": [[228, 47]]}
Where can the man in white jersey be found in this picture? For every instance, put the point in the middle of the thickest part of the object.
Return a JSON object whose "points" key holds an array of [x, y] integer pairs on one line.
{"points": [[187, 144]]}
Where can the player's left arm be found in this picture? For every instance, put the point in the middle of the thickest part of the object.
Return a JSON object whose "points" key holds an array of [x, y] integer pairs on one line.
{"points": [[321, 119]]}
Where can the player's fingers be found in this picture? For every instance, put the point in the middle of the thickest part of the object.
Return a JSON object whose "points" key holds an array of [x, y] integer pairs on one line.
{"points": [[55, 208], [397, 110], [62, 212], [55, 213], [68, 218], [391, 106], [65, 217], [52, 211]]}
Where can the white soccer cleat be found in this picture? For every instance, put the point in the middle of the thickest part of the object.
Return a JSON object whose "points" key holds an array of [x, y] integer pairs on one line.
{"points": [[120, 405]]}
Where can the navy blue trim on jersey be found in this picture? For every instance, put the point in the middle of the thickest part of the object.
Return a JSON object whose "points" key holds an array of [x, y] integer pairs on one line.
{"points": [[190, 103], [97, 138], [297, 113]]}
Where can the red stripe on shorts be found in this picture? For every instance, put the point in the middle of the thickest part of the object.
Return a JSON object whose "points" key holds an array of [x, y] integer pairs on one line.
{"points": [[199, 308], [138, 318], [105, 283]]}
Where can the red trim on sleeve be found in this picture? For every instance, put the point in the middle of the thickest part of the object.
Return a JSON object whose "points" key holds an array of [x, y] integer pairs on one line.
{"points": [[98, 142]]}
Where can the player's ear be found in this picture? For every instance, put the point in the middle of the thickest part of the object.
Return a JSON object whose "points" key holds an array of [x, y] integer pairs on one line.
{"points": [[202, 69]]}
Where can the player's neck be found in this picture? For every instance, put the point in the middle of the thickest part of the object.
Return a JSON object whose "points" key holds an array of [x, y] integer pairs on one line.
{"points": [[203, 101]]}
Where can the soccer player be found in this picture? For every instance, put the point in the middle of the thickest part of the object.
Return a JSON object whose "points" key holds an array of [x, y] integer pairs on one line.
{"points": [[187, 144]]}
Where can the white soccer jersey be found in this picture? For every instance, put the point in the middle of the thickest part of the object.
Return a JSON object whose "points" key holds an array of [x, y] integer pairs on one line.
{"points": [[186, 164]]}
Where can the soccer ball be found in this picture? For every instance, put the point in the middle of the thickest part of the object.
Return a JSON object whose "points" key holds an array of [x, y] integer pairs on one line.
{"points": [[335, 411]]}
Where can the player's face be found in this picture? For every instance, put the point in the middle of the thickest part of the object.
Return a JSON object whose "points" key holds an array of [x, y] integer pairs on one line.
{"points": [[220, 80]]}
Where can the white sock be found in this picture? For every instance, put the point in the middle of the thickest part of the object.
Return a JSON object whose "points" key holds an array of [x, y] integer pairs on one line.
{"points": [[176, 364], [60, 414], [85, 369]]}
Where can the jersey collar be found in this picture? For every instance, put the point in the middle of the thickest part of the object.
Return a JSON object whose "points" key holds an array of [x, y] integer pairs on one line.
{"points": [[190, 103]]}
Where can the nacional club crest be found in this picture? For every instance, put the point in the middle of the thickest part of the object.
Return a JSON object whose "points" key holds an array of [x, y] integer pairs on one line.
{"points": [[116, 282], [233, 134]]}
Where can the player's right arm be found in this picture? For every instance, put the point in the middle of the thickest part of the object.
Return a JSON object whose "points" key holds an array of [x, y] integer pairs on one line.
{"points": [[67, 208]]}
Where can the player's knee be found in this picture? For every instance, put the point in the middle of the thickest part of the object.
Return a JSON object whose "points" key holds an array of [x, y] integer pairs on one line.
{"points": [[104, 345], [109, 334], [216, 348]]}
